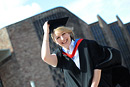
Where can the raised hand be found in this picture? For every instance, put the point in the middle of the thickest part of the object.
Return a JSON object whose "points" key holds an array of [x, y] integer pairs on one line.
{"points": [[46, 27]]}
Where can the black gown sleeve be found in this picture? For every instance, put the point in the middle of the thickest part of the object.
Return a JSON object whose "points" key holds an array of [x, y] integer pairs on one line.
{"points": [[98, 55], [59, 58], [104, 57], [109, 60]]}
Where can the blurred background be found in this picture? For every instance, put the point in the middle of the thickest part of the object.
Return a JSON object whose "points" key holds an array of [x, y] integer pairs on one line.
{"points": [[21, 34]]}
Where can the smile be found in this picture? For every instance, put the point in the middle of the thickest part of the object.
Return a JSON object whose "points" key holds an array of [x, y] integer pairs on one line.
{"points": [[65, 41]]}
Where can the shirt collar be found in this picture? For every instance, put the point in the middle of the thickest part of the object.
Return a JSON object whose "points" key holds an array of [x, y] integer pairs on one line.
{"points": [[70, 47]]}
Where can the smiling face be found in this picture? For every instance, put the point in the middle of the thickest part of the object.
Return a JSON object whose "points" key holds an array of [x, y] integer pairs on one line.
{"points": [[62, 38]]}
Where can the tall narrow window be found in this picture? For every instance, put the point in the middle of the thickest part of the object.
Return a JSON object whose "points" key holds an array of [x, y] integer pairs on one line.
{"points": [[1, 85]]}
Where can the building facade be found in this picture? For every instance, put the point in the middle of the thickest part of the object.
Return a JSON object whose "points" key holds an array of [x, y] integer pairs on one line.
{"points": [[20, 46]]}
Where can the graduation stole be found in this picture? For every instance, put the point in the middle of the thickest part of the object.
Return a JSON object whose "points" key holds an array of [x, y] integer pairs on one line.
{"points": [[74, 51]]}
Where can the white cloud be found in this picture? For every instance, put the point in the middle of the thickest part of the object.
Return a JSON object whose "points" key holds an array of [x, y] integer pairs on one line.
{"points": [[12, 11]]}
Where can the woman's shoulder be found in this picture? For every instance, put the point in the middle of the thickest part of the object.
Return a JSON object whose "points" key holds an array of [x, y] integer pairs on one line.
{"points": [[87, 40]]}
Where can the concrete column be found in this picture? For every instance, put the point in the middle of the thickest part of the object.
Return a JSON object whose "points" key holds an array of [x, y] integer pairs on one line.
{"points": [[124, 31], [5, 42], [110, 39]]}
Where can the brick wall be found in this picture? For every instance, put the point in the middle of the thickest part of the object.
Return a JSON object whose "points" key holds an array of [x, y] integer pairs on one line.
{"points": [[25, 64]]}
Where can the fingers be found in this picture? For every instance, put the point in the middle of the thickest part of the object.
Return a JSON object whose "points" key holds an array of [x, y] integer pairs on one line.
{"points": [[46, 27]]}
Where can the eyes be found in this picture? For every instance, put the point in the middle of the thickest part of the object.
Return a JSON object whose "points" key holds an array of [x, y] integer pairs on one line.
{"points": [[61, 35], [57, 38]]}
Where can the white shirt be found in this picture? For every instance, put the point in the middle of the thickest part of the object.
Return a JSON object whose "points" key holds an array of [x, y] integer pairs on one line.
{"points": [[76, 56]]}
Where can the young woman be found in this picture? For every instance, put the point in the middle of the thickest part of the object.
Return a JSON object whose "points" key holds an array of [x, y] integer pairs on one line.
{"points": [[81, 59]]}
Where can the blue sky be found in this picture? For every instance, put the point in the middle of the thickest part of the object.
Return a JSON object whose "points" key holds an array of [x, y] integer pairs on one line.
{"points": [[12, 11]]}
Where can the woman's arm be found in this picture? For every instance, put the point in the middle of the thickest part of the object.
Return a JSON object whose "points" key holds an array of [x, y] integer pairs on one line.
{"points": [[96, 78], [51, 59]]}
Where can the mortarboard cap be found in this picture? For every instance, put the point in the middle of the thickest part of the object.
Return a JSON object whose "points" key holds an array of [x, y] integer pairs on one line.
{"points": [[57, 23]]}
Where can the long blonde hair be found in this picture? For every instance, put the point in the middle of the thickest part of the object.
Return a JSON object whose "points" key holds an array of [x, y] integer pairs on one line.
{"points": [[61, 30]]}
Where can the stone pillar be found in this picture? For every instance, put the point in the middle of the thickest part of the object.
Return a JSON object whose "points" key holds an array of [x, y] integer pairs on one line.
{"points": [[110, 39], [5, 42], [124, 32]]}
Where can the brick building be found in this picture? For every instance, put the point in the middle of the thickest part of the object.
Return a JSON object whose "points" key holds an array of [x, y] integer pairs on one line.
{"points": [[20, 45]]}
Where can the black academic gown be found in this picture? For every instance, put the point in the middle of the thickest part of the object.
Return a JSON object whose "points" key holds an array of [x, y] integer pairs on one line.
{"points": [[91, 56]]}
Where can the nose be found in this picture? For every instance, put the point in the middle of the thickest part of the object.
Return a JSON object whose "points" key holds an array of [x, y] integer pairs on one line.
{"points": [[62, 38]]}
